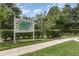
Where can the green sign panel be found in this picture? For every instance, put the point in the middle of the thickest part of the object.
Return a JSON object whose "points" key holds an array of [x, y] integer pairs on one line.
{"points": [[24, 25]]}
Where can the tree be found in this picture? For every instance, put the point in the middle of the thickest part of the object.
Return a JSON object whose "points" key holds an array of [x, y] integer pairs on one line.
{"points": [[63, 19], [14, 8], [67, 12], [53, 11], [41, 20], [75, 16], [16, 11], [5, 13]]}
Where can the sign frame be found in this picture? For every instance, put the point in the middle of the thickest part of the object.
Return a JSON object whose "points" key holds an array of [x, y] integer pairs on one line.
{"points": [[32, 30]]}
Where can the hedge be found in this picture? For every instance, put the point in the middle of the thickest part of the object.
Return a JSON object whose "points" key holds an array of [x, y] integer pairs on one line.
{"points": [[52, 34], [29, 35], [6, 34], [38, 34], [24, 35]]}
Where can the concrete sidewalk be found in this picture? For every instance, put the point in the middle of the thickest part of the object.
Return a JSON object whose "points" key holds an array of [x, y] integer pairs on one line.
{"points": [[32, 48]]}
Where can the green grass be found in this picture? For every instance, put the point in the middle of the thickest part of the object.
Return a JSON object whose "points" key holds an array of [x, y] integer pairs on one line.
{"points": [[70, 48], [22, 42]]}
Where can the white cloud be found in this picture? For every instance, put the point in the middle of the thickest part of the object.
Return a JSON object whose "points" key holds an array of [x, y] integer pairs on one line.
{"points": [[18, 4], [36, 11], [21, 7], [26, 12], [31, 13], [48, 6], [61, 5]]}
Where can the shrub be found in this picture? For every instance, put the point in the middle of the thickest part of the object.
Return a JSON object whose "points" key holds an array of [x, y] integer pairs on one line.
{"points": [[38, 34], [25, 35], [52, 34], [72, 31], [29, 35], [5, 34]]}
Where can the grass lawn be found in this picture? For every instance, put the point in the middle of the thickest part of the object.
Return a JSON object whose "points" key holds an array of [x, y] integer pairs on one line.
{"points": [[22, 42], [70, 48]]}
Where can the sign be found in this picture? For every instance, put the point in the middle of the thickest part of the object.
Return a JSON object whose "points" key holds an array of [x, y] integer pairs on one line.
{"points": [[24, 25]]}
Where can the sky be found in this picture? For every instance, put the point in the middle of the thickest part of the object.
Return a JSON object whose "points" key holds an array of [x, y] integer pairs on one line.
{"points": [[31, 9]]}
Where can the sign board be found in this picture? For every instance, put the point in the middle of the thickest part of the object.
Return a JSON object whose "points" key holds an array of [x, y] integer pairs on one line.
{"points": [[24, 25]]}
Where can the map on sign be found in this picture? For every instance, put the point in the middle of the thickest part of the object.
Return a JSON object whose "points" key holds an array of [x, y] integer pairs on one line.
{"points": [[24, 25]]}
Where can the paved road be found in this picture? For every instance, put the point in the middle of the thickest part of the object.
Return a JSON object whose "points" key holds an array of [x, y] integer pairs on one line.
{"points": [[32, 48]]}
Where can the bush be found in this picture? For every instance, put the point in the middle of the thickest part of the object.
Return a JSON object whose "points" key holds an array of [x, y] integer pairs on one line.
{"points": [[38, 34], [52, 34], [74, 31], [25, 35], [69, 32], [5, 34], [28, 35]]}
